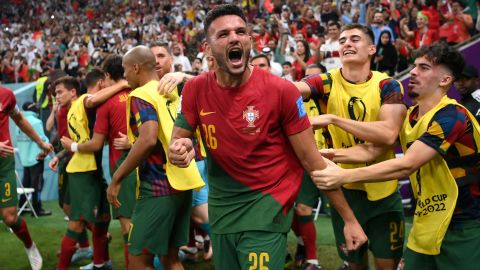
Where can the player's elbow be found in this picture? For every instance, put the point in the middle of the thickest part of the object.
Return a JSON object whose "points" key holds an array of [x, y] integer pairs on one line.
{"points": [[149, 142], [391, 138], [407, 167]]}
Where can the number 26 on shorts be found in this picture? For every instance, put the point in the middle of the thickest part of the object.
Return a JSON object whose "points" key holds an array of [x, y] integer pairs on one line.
{"points": [[258, 260]]}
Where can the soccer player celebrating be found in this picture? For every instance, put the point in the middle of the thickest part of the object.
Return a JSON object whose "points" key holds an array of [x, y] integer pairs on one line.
{"points": [[359, 105], [110, 123], [258, 137], [441, 140], [161, 216], [8, 183], [85, 186]]}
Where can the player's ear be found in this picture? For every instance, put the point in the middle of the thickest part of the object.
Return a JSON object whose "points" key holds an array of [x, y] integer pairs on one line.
{"points": [[372, 49]]}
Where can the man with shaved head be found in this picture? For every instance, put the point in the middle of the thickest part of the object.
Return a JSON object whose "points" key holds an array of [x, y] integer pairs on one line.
{"points": [[161, 217]]}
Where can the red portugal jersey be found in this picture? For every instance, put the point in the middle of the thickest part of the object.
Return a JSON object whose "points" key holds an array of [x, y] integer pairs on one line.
{"points": [[254, 174], [112, 119], [62, 125], [8, 105]]}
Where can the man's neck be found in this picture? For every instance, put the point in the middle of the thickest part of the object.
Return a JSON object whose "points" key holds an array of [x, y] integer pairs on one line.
{"points": [[152, 76], [427, 103], [356, 73], [227, 80]]}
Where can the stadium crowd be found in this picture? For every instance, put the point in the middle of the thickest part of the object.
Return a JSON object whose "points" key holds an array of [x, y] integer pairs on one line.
{"points": [[39, 36], [196, 80]]}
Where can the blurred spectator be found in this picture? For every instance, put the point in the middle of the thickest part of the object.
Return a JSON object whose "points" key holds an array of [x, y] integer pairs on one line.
{"points": [[328, 13], [386, 58], [421, 36], [302, 58], [287, 71], [466, 85], [329, 52], [378, 25], [261, 61], [275, 67], [260, 37], [458, 25], [180, 59], [52, 34]]}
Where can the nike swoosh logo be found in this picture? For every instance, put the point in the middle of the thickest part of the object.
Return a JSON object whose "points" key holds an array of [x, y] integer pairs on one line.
{"points": [[202, 113], [393, 247], [6, 200]]}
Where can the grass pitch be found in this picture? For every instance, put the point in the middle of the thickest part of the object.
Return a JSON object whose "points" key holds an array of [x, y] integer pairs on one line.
{"points": [[47, 233]]}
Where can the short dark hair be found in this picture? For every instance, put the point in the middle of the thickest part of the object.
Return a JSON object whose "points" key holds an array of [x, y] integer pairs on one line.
{"points": [[68, 82], [443, 54], [163, 45], [93, 77], [287, 63], [334, 23], [220, 11], [261, 56], [365, 29], [113, 67]]}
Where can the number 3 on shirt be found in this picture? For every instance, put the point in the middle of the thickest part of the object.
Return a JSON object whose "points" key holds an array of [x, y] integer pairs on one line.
{"points": [[210, 139], [258, 260]]}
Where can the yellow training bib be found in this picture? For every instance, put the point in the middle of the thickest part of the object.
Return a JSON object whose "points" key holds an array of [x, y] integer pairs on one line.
{"points": [[179, 178], [434, 187], [360, 102], [79, 132]]}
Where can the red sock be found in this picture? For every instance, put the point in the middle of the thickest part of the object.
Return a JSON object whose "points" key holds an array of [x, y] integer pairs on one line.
{"points": [[68, 247], [100, 242], [309, 235], [21, 231], [84, 244], [125, 253]]}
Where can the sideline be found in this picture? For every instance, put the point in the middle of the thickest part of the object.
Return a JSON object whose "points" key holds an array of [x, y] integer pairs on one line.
{"points": [[24, 88]]}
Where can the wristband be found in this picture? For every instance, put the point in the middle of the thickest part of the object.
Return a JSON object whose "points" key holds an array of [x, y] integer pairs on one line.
{"points": [[74, 147]]}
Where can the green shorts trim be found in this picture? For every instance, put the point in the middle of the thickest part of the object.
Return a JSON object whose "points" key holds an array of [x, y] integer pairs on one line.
{"points": [[84, 194], [383, 222], [8, 182], [250, 249], [159, 223], [459, 250], [308, 193], [127, 194]]}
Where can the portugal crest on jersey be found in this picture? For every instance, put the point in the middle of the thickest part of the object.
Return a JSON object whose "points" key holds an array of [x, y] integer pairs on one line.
{"points": [[251, 115]]}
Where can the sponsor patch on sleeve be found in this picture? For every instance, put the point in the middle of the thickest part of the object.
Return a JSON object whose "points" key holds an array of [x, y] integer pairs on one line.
{"points": [[301, 109]]}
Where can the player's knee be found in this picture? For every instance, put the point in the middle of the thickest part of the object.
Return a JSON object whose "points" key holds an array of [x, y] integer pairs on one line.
{"points": [[9, 219], [386, 264], [303, 210], [76, 225]]}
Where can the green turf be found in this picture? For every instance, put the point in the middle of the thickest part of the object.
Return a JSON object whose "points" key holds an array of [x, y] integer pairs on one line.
{"points": [[47, 232]]}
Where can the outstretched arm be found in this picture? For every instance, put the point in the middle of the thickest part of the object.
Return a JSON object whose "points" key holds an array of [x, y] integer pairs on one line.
{"points": [[304, 146], [384, 131], [360, 153], [416, 156], [100, 97], [170, 80], [92, 145]]}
